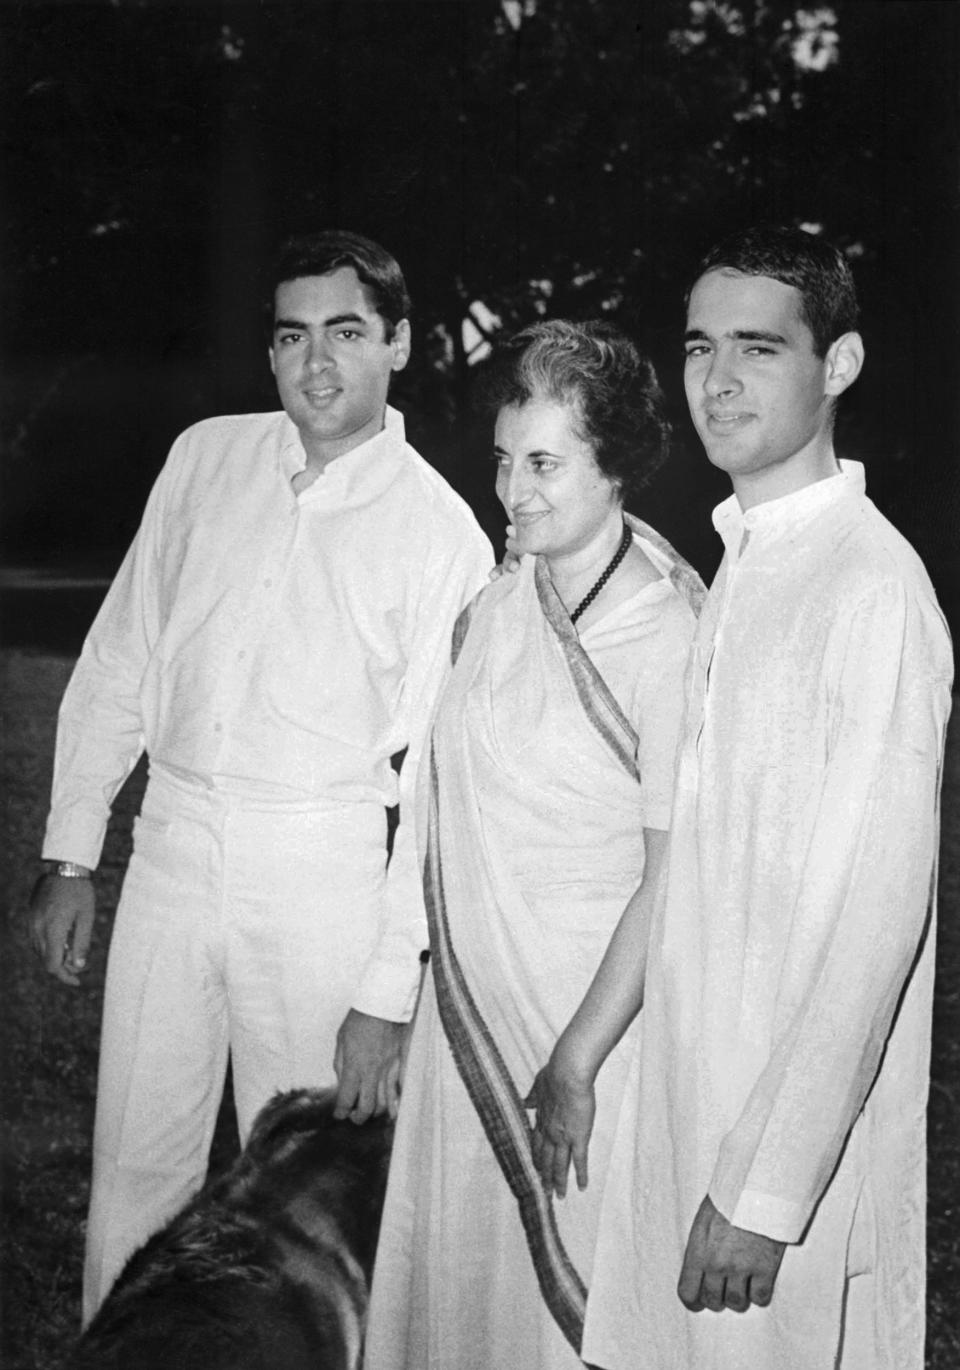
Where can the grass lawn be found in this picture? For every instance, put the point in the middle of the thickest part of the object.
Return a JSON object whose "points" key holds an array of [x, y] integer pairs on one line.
{"points": [[49, 1038]]}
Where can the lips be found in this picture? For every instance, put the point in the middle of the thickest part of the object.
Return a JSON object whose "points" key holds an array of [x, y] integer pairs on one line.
{"points": [[524, 520], [321, 395], [719, 421]]}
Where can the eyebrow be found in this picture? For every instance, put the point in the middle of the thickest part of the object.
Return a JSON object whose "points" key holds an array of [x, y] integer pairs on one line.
{"points": [[327, 323], [738, 335], [536, 452]]}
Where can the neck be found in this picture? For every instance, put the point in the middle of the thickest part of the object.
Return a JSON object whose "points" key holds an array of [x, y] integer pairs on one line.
{"points": [[761, 487], [575, 571], [320, 452]]}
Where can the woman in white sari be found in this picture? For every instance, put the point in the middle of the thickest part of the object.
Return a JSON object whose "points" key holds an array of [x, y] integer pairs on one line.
{"points": [[545, 798]]}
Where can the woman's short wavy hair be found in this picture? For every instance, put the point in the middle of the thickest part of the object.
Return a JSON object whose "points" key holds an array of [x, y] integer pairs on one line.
{"points": [[610, 385]]}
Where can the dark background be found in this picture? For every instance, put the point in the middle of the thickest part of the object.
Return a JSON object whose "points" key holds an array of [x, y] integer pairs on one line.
{"points": [[543, 156]]}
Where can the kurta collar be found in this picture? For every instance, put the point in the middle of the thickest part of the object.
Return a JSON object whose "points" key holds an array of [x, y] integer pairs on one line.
{"points": [[791, 512], [359, 474]]}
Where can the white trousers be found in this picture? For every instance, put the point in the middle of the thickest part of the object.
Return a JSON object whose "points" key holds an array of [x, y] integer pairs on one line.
{"points": [[243, 927]]}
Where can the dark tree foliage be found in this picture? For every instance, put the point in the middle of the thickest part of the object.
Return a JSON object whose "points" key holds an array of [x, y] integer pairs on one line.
{"points": [[539, 156]]}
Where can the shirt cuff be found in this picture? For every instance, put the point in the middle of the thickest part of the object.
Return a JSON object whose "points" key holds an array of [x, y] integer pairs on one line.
{"points": [[780, 1219], [78, 838], [389, 991]]}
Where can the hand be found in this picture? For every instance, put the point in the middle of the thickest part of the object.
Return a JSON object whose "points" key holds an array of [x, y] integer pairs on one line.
{"points": [[511, 559], [365, 1048], [726, 1266], [61, 924], [564, 1099], [390, 1083]]}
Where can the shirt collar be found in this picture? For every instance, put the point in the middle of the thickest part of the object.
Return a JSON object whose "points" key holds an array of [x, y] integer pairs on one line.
{"points": [[359, 473], [790, 512]]}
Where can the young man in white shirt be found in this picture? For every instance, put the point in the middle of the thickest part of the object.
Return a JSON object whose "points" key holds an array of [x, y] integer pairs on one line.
{"points": [[276, 633], [774, 1147]]}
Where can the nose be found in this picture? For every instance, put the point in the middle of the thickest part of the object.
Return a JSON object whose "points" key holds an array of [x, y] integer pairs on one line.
{"points": [[318, 353], [721, 377], [514, 484]]}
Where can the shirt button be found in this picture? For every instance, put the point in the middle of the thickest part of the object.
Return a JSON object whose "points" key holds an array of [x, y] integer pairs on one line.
{"points": [[241, 655], [218, 727], [267, 583]]}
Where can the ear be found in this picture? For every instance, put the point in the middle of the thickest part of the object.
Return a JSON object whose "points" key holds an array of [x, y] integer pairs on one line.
{"points": [[843, 362], [273, 360], [400, 342]]}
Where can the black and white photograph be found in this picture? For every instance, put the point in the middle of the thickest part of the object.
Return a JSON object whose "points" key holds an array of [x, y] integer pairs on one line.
{"points": [[479, 578]]}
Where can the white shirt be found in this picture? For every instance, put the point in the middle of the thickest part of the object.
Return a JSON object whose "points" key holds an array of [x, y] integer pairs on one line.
{"points": [[274, 644]]}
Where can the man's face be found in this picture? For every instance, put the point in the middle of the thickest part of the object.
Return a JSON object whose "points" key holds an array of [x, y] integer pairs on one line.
{"points": [[758, 394], [332, 362]]}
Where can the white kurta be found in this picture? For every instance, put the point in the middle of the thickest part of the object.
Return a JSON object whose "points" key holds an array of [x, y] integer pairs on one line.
{"points": [[784, 1063]]}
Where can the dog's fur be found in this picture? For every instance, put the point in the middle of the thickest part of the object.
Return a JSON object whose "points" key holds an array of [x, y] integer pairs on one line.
{"points": [[267, 1268]]}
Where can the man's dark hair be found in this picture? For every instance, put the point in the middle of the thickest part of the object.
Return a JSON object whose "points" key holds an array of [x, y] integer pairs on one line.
{"points": [[597, 370], [812, 265], [317, 254]]}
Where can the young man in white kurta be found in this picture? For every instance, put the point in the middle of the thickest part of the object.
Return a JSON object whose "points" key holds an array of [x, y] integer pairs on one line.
{"points": [[774, 1141], [276, 633]]}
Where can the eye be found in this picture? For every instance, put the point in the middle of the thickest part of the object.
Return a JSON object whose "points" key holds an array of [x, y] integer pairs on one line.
{"points": [[759, 351], [544, 465], [348, 334], [500, 460], [284, 338], [696, 350]]}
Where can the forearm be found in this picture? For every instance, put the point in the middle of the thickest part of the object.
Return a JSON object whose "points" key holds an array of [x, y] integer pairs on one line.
{"points": [[99, 739], [615, 995]]}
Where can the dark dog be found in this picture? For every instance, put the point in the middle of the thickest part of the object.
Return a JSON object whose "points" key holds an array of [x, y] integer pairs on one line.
{"points": [[267, 1268]]}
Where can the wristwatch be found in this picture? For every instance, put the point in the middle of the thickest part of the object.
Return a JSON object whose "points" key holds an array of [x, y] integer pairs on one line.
{"points": [[70, 870]]}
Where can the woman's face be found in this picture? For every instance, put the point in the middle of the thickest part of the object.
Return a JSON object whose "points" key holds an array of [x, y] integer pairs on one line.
{"points": [[555, 494]]}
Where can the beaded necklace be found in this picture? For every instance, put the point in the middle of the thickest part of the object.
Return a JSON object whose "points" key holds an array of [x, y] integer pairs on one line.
{"points": [[598, 585]]}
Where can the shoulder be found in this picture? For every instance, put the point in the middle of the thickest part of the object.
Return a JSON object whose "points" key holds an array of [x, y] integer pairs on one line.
{"points": [[209, 439], [225, 428], [881, 591], [436, 492], [447, 532], [870, 556], [492, 600]]}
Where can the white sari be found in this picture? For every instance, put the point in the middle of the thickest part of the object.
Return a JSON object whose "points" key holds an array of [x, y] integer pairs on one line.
{"points": [[548, 760]]}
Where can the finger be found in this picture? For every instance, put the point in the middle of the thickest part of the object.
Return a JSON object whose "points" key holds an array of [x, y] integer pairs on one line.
{"points": [[688, 1286], [760, 1290], [67, 977], [561, 1168], [392, 1090], [346, 1095], [736, 1296], [536, 1146], [365, 1104], [712, 1291], [55, 945], [82, 932], [580, 1165], [545, 1165]]}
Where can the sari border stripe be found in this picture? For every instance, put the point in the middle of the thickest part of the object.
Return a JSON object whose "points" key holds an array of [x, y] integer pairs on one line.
{"points": [[497, 1100], [596, 698]]}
